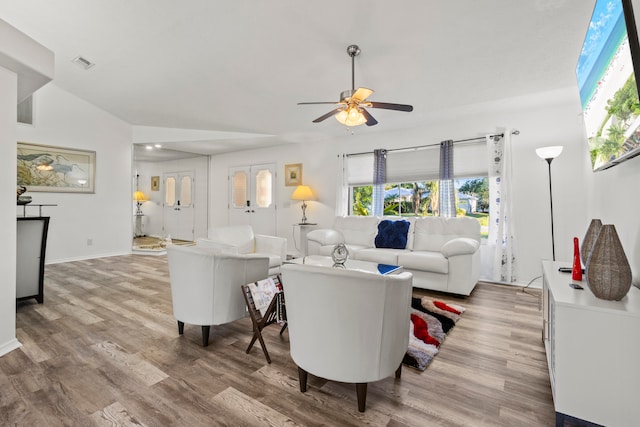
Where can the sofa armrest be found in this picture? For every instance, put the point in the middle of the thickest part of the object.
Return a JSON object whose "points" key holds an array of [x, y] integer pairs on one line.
{"points": [[271, 245], [325, 236], [460, 246]]}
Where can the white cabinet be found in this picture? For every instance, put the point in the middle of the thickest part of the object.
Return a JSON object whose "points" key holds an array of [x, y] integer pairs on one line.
{"points": [[593, 351]]}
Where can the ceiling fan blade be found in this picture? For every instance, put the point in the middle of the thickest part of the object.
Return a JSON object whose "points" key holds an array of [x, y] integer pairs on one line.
{"points": [[314, 103], [370, 120], [390, 106], [361, 94], [329, 114]]}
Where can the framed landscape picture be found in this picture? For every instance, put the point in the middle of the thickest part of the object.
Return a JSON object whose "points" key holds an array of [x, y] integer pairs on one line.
{"points": [[293, 174], [56, 169]]}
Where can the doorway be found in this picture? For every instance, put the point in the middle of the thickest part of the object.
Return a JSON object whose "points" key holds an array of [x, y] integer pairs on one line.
{"points": [[252, 197], [178, 206]]}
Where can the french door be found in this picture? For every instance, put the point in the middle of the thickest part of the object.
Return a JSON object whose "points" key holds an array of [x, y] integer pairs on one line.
{"points": [[252, 197], [179, 213]]}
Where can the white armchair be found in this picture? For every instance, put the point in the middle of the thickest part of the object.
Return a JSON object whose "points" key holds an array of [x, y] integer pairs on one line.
{"points": [[205, 285], [241, 239], [345, 325]]}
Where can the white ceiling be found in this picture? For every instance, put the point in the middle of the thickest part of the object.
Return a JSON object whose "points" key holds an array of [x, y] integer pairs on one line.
{"points": [[238, 68]]}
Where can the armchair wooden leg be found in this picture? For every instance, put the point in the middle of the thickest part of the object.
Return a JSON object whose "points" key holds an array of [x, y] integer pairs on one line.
{"points": [[205, 335], [361, 391], [180, 327], [302, 378], [399, 371]]}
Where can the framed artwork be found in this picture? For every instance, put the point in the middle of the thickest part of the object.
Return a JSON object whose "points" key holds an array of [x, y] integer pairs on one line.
{"points": [[56, 169], [155, 183], [293, 174]]}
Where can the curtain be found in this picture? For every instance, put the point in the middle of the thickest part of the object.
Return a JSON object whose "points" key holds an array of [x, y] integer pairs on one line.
{"points": [[379, 180], [447, 192], [342, 189], [501, 223]]}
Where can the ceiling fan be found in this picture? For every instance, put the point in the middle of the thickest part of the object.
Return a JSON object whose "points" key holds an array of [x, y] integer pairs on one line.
{"points": [[353, 103]]}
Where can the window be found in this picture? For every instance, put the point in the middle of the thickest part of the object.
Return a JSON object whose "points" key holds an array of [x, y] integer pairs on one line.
{"points": [[472, 199], [170, 191], [263, 188], [239, 189], [412, 183], [185, 191]]}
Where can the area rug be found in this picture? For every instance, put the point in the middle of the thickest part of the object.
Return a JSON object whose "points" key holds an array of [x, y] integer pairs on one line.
{"points": [[431, 320], [147, 243]]}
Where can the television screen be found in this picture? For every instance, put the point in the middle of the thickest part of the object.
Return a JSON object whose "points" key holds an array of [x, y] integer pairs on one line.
{"points": [[608, 85]]}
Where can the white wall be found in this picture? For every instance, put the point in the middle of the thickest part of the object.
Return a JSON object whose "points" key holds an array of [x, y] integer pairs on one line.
{"points": [[153, 210], [8, 89], [550, 118], [25, 65], [84, 225]]}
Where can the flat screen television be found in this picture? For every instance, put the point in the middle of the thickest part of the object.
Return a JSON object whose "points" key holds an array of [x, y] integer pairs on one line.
{"points": [[607, 79]]}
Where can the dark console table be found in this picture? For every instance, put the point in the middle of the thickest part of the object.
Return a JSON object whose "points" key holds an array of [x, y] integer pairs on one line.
{"points": [[31, 248]]}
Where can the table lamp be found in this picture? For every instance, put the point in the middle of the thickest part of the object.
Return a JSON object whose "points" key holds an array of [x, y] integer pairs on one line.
{"points": [[304, 193], [139, 197]]}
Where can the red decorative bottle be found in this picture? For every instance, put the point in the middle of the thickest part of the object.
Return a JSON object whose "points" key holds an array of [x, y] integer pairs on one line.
{"points": [[576, 273]]}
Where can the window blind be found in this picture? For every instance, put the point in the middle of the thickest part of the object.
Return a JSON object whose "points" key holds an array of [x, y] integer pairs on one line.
{"points": [[470, 160], [360, 169], [420, 164]]}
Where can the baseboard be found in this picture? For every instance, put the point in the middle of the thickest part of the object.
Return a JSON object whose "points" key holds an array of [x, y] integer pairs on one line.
{"points": [[534, 284], [9, 346]]}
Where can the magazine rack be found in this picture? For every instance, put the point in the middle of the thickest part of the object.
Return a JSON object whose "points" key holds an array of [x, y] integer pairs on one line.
{"points": [[274, 313]]}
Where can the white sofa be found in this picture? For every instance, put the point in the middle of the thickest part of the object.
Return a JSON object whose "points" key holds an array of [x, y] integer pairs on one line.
{"points": [[442, 253], [240, 239]]}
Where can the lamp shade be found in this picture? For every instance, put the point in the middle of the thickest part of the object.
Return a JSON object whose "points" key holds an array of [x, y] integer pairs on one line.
{"points": [[139, 196], [549, 152], [302, 192]]}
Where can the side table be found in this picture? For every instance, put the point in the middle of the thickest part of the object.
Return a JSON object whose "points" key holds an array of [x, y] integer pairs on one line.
{"points": [[304, 229]]}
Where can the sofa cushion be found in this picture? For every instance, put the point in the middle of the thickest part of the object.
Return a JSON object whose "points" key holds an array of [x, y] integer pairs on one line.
{"points": [[433, 262], [357, 230], [378, 255], [392, 234], [431, 233]]}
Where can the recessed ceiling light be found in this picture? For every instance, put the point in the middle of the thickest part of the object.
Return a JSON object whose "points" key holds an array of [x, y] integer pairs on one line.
{"points": [[82, 62], [149, 147], [158, 146]]}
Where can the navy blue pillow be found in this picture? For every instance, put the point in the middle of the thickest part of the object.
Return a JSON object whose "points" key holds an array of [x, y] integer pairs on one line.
{"points": [[392, 234]]}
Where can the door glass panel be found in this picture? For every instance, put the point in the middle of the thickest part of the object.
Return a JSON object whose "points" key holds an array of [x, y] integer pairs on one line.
{"points": [[170, 192], [185, 191], [239, 189], [263, 188]]}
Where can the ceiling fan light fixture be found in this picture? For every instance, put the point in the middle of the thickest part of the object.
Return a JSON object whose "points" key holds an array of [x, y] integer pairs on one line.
{"points": [[351, 109], [351, 116]]}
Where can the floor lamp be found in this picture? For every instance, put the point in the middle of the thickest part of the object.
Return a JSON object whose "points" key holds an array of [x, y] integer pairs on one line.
{"points": [[548, 154]]}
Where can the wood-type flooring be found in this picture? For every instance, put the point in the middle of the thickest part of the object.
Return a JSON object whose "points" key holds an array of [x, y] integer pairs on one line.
{"points": [[104, 349]]}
